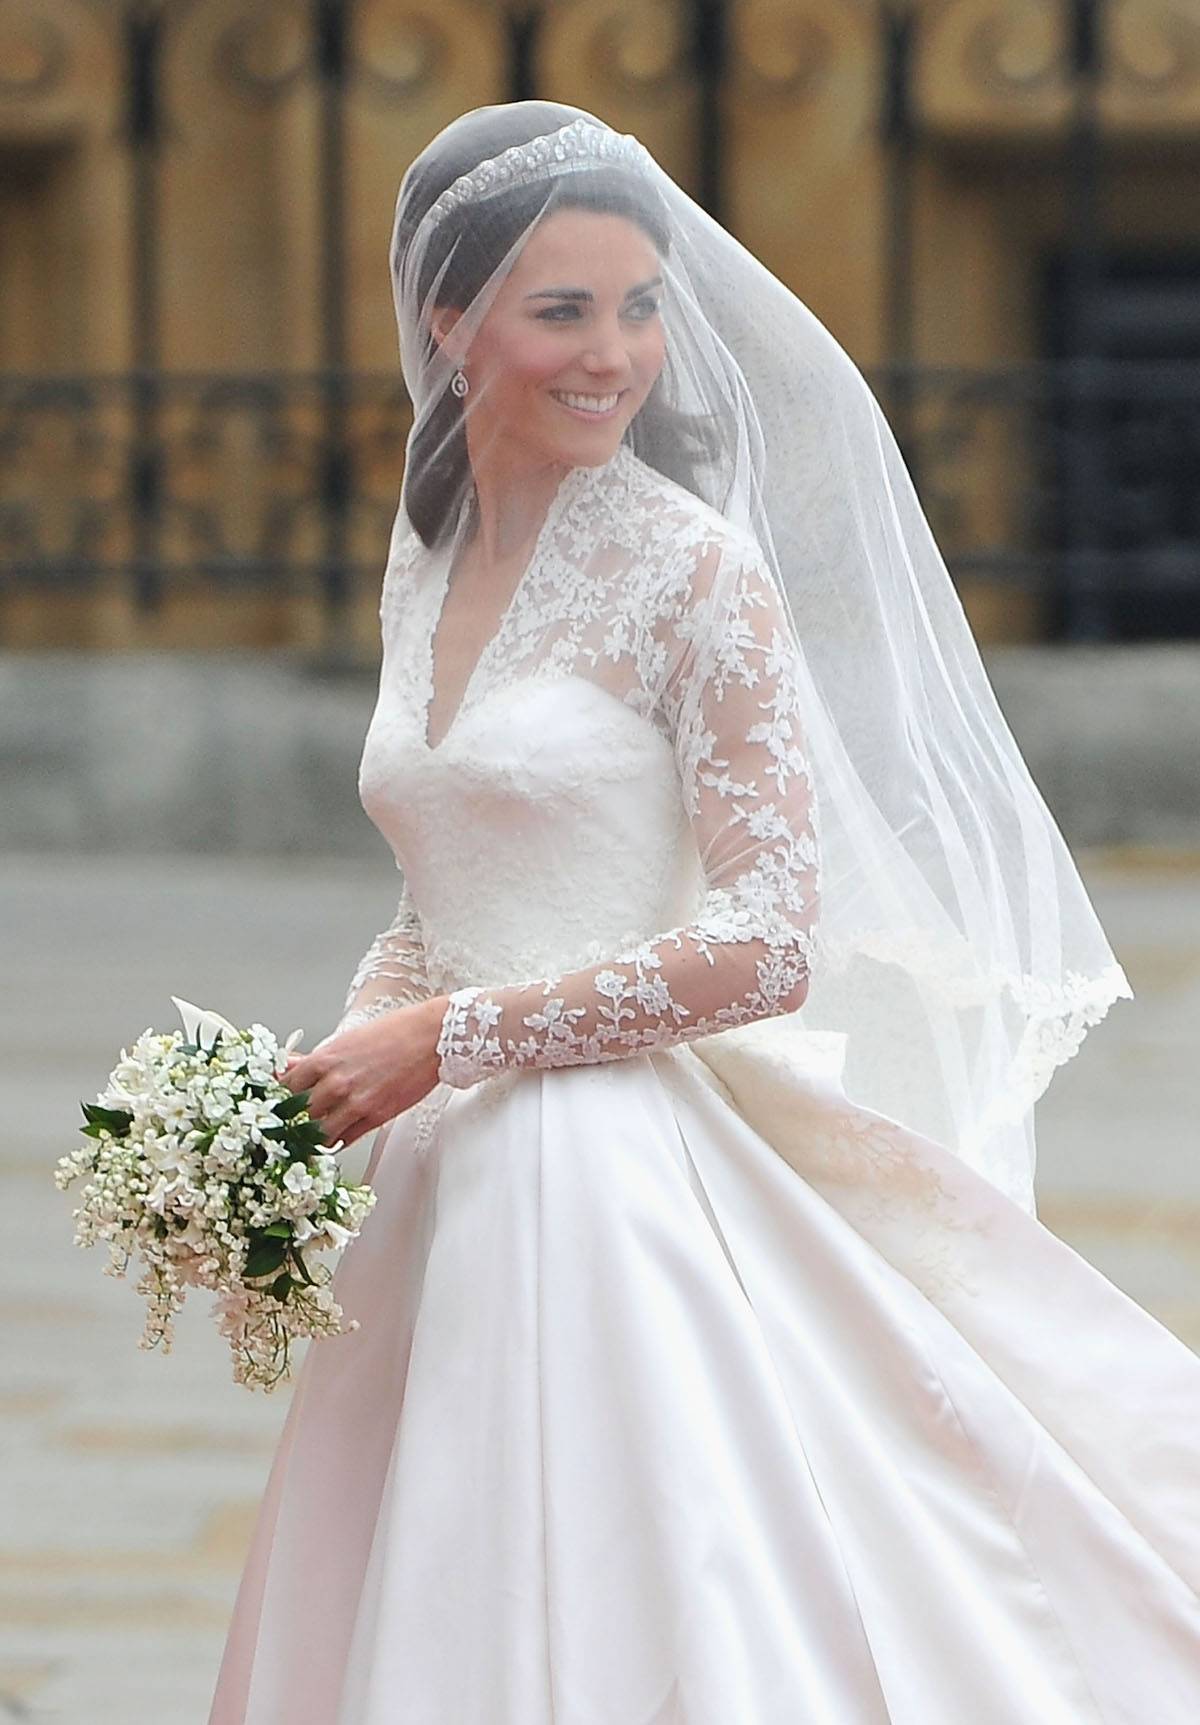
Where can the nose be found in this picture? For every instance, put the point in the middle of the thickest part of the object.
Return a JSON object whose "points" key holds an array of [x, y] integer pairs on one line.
{"points": [[607, 351]]}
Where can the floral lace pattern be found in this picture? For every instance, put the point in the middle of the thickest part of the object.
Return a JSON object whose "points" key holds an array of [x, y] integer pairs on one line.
{"points": [[391, 972], [614, 846], [730, 707], [635, 591]]}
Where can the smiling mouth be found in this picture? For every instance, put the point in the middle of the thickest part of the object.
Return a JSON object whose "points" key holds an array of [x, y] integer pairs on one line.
{"points": [[593, 406]]}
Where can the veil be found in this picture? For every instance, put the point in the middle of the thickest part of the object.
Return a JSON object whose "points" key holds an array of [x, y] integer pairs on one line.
{"points": [[955, 949]]}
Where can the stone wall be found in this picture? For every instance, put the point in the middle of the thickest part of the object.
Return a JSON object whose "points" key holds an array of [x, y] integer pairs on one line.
{"points": [[244, 753]]}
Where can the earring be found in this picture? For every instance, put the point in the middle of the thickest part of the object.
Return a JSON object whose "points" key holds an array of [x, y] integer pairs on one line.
{"points": [[459, 384]]}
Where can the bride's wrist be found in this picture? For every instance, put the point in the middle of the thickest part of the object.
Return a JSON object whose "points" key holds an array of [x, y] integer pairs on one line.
{"points": [[434, 1010]]}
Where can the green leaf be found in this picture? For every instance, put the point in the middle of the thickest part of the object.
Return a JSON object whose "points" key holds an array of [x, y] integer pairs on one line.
{"points": [[292, 1104], [117, 1120], [282, 1286], [300, 1134], [279, 1231], [264, 1256]]}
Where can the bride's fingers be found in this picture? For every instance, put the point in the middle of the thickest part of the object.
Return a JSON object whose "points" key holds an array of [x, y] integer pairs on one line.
{"points": [[331, 1123], [337, 1117], [341, 1130], [302, 1072]]}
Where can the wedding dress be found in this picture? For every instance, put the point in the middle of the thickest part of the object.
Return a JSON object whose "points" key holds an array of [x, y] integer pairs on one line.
{"points": [[688, 1390]]}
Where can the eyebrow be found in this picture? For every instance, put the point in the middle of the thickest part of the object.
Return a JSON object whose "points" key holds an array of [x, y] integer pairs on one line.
{"points": [[575, 293]]}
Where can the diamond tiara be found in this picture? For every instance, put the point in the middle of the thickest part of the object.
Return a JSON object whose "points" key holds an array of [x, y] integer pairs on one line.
{"points": [[581, 144]]}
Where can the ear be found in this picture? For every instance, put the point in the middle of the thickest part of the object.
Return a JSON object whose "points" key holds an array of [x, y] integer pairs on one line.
{"points": [[441, 327]]}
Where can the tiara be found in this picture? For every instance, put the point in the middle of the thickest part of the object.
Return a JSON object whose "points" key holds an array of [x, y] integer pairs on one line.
{"points": [[581, 144]]}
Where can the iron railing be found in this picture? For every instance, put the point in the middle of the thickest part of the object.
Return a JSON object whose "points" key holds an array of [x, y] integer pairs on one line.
{"points": [[251, 481], [1074, 478]]}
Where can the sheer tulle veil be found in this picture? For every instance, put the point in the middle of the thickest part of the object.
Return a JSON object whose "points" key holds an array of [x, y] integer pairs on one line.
{"points": [[956, 948]]}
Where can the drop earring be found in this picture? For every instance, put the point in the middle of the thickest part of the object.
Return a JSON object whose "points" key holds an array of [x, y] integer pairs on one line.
{"points": [[459, 384]]}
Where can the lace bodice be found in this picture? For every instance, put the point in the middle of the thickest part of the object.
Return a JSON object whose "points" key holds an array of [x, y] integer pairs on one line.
{"points": [[612, 846]]}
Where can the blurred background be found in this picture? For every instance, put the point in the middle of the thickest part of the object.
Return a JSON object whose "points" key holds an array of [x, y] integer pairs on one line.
{"points": [[995, 207]]}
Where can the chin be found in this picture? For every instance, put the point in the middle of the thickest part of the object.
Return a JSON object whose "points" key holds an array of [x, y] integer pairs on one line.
{"points": [[594, 449]]}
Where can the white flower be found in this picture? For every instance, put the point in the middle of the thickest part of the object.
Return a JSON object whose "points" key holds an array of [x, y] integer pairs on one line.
{"points": [[221, 1156], [299, 1180], [179, 1191], [200, 1024], [255, 1114], [174, 1115], [162, 1189], [325, 1172], [165, 1153]]}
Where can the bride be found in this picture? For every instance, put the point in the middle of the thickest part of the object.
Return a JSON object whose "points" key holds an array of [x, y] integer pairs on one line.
{"points": [[713, 1366]]}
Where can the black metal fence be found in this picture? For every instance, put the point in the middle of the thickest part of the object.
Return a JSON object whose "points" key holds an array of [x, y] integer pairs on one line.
{"points": [[288, 480], [283, 480]]}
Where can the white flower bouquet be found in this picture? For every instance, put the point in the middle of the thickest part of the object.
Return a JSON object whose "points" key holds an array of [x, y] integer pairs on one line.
{"points": [[205, 1166]]}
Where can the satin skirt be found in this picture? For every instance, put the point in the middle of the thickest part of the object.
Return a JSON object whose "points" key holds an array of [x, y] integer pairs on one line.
{"points": [[688, 1393]]}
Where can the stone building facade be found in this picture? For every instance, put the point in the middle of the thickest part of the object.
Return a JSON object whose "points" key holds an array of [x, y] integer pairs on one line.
{"points": [[240, 149]]}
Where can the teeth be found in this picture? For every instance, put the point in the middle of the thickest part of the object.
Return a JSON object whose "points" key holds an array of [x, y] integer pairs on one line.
{"points": [[587, 403]]}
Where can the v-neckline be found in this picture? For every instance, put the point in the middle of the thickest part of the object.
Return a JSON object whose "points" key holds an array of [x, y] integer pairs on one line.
{"points": [[487, 651]]}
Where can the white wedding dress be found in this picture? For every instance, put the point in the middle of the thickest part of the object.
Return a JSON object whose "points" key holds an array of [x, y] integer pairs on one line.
{"points": [[687, 1390]]}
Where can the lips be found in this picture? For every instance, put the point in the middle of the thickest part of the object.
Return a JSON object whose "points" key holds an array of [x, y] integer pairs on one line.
{"points": [[586, 405]]}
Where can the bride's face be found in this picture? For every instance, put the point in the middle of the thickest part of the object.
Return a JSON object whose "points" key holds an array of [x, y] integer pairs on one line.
{"points": [[572, 344]]}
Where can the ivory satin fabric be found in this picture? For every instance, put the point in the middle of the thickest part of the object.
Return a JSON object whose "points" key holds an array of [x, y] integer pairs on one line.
{"points": [[687, 1390], [642, 1426]]}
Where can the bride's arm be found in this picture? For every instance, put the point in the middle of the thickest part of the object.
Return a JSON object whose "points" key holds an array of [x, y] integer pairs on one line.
{"points": [[732, 699], [391, 972]]}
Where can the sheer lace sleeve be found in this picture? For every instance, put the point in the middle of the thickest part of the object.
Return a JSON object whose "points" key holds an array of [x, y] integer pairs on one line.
{"points": [[731, 700], [391, 972]]}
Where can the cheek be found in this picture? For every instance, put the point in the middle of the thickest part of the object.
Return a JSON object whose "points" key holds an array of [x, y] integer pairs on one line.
{"points": [[536, 359], [650, 351], [519, 359]]}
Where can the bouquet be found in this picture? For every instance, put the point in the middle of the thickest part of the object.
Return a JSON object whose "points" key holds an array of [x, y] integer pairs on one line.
{"points": [[205, 1166]]}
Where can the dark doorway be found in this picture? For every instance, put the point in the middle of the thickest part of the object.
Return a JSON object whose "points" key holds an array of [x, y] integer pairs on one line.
{"points": [[1134, 343]]}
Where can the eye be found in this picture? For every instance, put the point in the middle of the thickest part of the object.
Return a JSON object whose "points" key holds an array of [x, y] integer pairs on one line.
{"points": [[558, 313], [644, 308]]}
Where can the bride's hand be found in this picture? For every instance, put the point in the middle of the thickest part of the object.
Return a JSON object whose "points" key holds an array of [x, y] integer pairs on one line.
{"points": [[372, 1073]]}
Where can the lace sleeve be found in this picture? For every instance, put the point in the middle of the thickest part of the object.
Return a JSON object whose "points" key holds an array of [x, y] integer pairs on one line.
{"points": [[391, 972], [731, 698]]}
